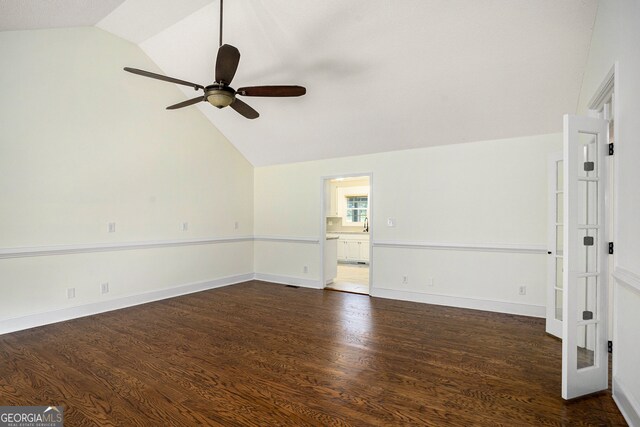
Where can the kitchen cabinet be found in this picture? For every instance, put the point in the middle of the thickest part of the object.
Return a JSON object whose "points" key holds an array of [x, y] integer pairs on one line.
{"points": [[364, 251], [342, 250], [353, 248]]}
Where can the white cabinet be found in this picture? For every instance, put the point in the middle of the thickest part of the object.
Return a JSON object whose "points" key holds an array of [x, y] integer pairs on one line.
{"points": [[364, 250], [342, 250], [353, 248]]}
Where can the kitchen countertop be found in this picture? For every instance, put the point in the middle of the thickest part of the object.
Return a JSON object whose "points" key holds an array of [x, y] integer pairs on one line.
{"points": [[348, 232], [332, 237]]}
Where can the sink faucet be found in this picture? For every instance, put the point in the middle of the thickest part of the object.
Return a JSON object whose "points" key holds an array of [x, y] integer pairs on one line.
{"points": [[366, 225]]}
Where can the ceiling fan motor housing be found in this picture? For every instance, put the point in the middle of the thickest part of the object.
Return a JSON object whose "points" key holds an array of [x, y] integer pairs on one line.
{"points": [[219, 95]]}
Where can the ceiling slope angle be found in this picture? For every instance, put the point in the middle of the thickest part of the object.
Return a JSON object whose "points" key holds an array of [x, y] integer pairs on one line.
{"points": [[43, 14], [380, 75], [384, 76], [137, 20]]}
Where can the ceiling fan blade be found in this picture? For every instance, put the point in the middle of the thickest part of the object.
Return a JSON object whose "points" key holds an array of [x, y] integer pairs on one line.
{"points": [[272, 91], [227, 63], [186, 103], [244, 109], [161, 77]]}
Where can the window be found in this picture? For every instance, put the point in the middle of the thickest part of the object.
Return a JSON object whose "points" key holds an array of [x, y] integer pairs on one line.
{"points": [[357, 208]]}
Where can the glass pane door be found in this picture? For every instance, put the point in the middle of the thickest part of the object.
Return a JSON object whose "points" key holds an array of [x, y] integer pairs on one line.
{"points": [[584, 258]]}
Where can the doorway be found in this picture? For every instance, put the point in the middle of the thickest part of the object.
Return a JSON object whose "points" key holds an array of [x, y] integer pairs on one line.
{"points": [[581, 224], [346, 228]]}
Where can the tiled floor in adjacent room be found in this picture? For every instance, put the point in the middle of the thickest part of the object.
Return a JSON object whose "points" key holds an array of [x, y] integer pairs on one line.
{"points": [[351, 278]]}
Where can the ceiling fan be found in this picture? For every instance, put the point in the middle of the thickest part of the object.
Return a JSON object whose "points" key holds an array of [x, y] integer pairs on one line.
{"points": [[219, 93]]}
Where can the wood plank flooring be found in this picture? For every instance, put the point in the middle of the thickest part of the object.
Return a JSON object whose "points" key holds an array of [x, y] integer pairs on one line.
{"points": [[266, 354]]}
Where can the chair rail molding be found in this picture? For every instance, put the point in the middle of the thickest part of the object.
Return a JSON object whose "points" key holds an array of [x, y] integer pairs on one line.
{"points": [[34, 251], [627, 277], [484, 247]]}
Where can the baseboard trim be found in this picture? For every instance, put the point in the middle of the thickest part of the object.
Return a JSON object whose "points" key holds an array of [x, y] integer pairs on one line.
{"points": [[108, 247], [46, 318], [483, 247], [288, 280], [627, 277], [463, 302], [627, 405]]}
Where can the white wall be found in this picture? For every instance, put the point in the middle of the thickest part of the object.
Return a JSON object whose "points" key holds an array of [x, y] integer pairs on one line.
{"points": [[84, 143], [491, 193], [616, 37]]}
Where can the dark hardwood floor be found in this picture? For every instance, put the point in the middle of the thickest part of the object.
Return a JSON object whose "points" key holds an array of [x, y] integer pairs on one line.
{"points": [[265, 354]]}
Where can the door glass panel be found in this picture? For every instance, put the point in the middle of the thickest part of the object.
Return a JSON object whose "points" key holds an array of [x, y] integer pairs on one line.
{"points": [[587, 202], [558, 313], [559, 239], [587, 288], [559, 207], [588, 154], [587, 251], [586, 345], [559, 176], [559, 272]]}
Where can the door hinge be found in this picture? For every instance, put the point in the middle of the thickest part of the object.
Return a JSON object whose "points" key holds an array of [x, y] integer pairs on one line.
{"points": [[611, 149], [610, 248], [610, 346]]}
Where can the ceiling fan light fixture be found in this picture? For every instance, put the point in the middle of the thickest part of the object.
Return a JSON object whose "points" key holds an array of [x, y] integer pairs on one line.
{"points": [[220, 98], [220, 94]]}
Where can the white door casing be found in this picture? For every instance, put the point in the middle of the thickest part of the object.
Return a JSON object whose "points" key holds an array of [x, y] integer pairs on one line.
{"points": [[585, 252]]}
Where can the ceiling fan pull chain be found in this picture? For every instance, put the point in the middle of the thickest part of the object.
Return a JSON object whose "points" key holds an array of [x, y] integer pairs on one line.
{"points": [[220, 23]]}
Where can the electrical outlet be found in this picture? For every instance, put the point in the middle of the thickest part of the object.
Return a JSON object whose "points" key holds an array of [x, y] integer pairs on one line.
{"points": [[405, 280], [522, 290], [104, 288], [185, 226], [112, 227], [236, 225], [305, 269], [430, 282], [391, 222], [71, 293]]}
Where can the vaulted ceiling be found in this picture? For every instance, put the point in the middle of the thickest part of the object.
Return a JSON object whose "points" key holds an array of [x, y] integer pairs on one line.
{"points": [[381, 75]]}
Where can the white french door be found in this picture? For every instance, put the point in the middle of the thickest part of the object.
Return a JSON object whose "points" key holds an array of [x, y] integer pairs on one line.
{"points": [[555, 288], [584, 257]]}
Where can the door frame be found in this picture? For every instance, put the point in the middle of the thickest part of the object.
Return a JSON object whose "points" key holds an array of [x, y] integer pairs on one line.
{"points": [[324, 180], [609, 91]]}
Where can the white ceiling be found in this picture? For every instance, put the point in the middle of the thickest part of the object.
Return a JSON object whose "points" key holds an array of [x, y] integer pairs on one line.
{"points": [[38, 14], [381, 75]]}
